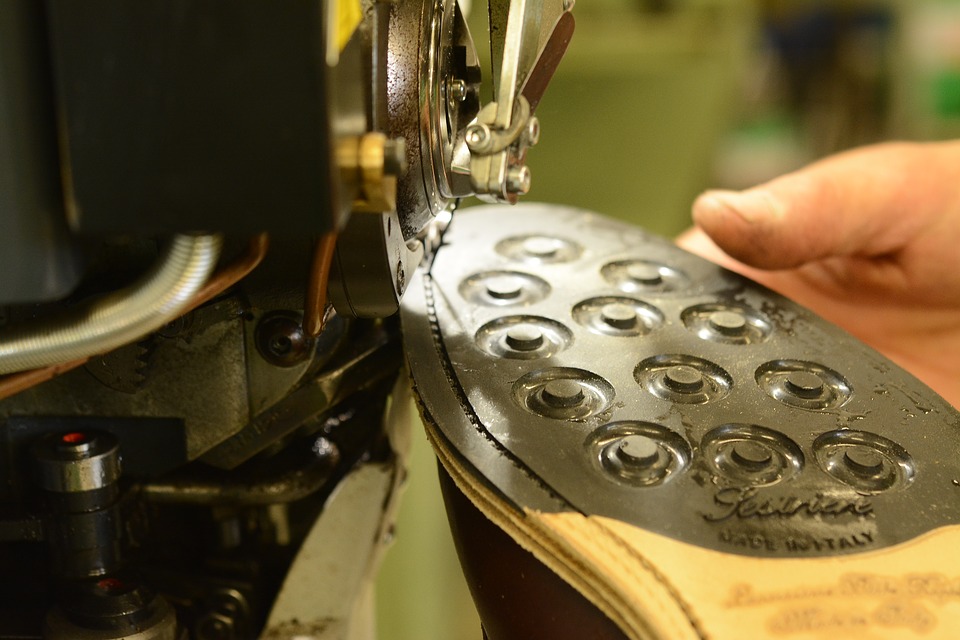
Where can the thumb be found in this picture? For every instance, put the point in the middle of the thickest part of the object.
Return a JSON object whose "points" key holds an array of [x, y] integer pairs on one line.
{"points": [[868, 202]]}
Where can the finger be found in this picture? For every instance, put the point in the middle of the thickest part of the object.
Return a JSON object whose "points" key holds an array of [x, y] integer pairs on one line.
{"points": [[785, 282], [867, 202], [696, 241]]}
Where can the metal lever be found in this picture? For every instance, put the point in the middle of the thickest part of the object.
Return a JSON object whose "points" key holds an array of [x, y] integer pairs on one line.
{"points": [[527, 40]]}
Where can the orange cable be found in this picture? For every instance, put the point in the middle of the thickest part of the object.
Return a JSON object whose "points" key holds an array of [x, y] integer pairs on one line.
{"points": [[315, 304]]}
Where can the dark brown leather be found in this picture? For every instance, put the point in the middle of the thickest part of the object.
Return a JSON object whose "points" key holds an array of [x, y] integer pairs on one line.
{"points": [[517, 596]]}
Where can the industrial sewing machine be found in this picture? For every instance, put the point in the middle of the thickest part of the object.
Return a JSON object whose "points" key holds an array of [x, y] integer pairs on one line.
{"points": [[211, 212], [192, 436]]}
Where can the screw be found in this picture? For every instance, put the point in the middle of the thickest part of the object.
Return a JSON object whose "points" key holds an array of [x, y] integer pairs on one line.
{"points": [[504, 287], [804, 384], [619, 315], [562, 394], [683, 379], [518, 179], [524, 337], [728, 323], [478, 137], [457, 90], [647, 274], [533, 131], [281, 341]]}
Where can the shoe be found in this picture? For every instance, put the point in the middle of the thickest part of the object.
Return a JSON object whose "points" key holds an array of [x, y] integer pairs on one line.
{"points": [[688, 453]]}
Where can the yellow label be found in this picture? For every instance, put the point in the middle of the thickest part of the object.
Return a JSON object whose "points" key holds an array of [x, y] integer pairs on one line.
{"points": [[348, 18]]}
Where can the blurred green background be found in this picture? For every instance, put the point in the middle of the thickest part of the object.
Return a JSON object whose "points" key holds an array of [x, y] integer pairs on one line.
{"points": [[658, 100]]}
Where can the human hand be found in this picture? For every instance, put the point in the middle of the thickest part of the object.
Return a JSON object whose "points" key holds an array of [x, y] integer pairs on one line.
{"points": [[869, 239]]}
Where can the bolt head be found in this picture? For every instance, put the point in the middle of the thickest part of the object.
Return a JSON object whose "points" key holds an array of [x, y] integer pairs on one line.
{"points": [[477, 137], [533, 131], [457, 90], [281, 342], [518, 180]]}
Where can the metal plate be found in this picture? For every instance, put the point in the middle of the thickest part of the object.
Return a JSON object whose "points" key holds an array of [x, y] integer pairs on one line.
{"points": [[705, 407]]}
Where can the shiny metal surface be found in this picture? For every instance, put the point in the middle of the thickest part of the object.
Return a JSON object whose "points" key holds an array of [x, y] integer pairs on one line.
{"points": [[528, 38], [245, 409], [77, 461], [118, 319], [160, 623], [456, 147], [433, 81], [278, 486], [798, 435]]}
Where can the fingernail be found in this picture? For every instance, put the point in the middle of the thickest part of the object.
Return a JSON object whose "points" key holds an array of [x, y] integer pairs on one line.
{"points": [[751, 206]]}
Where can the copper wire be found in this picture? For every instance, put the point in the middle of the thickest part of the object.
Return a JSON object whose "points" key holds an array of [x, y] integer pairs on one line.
{"points": [[14, 383], [315, 304], [219, 282]]}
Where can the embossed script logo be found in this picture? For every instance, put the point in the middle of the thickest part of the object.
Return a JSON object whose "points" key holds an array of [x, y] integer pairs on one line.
{"points": [[743, 503]]}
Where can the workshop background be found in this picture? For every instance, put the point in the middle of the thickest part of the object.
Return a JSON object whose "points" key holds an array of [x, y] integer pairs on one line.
{"points": [[657, 100]]}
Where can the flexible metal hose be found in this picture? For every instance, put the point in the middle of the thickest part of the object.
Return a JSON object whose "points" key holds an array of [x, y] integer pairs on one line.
{"points": [[120, 318]]}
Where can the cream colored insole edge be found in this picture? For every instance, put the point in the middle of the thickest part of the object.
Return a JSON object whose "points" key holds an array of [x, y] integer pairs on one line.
{"points": [[652, 586]]}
